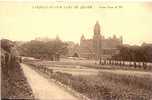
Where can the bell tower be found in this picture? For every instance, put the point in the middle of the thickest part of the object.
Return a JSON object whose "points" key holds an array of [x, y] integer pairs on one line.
{"points": [[97, 28], [97, 40]]}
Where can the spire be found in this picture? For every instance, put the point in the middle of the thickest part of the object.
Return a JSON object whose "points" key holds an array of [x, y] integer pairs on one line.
{"points": [[82, 37], [97, 28]]}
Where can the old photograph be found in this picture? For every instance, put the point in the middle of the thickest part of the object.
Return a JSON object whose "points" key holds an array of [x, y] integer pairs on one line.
{"points": [[64, 50]]}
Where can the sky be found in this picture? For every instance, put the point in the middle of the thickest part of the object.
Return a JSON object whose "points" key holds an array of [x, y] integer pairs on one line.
{"points": [[24, 21]]}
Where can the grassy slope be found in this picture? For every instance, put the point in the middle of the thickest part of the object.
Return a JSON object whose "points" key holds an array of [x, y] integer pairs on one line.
{"points": [[14, 84]]}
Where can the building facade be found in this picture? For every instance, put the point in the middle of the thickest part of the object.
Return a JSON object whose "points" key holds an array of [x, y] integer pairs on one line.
{"points": [[99, 46]]}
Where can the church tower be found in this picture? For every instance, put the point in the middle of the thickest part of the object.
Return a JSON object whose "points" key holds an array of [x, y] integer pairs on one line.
{"points": [[97, 40], [82, 38], [97, 28]]}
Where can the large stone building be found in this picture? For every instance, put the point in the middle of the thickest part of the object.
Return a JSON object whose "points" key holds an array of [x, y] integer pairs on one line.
{"points": [[98, 46]]}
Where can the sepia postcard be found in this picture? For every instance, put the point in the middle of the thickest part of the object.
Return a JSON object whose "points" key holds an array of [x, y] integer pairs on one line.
{"points": [[76, 50]]}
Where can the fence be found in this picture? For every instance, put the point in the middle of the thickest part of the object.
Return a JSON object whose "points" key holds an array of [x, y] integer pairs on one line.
{"points": [[145, 65]]}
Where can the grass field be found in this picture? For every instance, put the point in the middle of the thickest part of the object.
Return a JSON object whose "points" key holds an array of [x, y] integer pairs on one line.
{"points": [[105, 85]]}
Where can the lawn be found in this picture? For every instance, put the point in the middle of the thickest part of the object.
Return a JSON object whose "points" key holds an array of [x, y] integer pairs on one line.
{"points": [[106, 85]]}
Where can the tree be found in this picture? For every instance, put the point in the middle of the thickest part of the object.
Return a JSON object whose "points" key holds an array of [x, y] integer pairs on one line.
{"points": [[6, 45], [75, 55], [44, 50], [134, 53]]}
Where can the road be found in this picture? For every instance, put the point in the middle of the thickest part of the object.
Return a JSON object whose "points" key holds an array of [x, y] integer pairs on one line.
{"points": [[44, 89]]}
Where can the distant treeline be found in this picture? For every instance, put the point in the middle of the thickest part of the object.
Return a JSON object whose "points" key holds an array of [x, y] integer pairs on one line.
{"points": [[134, 53], [51, 50]]}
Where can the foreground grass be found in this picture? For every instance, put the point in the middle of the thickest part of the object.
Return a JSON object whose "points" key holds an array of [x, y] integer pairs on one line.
{"points": [[101, 87], [14, 84], [105, 85]]}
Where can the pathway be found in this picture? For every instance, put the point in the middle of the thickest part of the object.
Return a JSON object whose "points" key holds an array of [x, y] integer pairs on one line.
{"points": [[44, 89]]}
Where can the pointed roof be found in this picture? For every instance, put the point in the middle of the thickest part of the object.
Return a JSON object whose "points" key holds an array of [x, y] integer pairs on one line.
{"points": [[97, 28], [82, 37]]}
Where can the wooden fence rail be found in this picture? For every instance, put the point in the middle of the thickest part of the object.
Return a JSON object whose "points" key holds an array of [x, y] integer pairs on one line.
{"points": [[144, 65]]}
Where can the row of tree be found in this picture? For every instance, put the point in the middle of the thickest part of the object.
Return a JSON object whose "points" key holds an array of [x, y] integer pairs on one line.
{"points": [[134, 53], [51, 50]]}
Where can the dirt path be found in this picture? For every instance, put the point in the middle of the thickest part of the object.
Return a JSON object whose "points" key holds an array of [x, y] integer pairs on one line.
{"points": [[43, 89]]}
